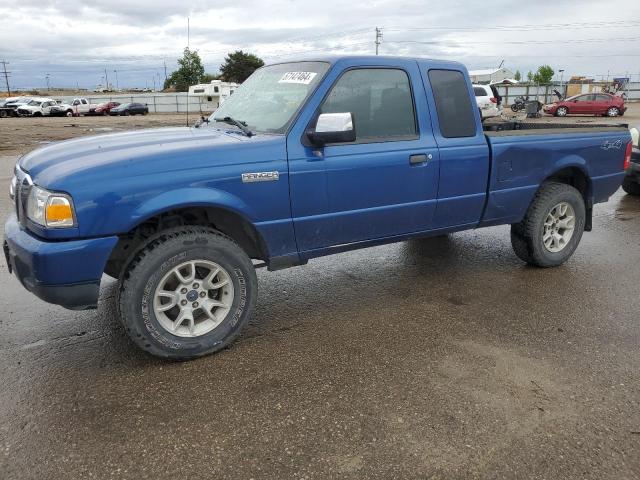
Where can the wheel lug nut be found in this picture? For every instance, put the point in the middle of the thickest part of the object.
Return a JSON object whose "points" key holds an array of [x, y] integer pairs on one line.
{"points": [[195, 304], [183, 303], [183, 290], [195, 285], [202, 294]]}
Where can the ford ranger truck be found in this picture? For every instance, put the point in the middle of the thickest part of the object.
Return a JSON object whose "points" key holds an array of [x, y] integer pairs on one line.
{"points": [[305, 159]]}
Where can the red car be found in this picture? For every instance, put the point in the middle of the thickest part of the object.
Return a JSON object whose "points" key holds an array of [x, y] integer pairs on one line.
{"points": [[588, 104], [104, 108]]}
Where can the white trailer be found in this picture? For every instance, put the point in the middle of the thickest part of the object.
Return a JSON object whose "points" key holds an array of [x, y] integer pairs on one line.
{"points": [[211, 95]]}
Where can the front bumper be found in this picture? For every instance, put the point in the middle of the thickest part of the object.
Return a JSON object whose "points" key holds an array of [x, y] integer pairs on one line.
{"points": [[65, 273]]}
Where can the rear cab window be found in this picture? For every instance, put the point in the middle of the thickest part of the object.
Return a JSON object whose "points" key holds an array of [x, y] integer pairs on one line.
{"points": [[479, 92], [455, 112]]}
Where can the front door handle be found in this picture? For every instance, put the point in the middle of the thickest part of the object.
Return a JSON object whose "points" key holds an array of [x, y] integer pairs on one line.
{"points": [[421, 158]]}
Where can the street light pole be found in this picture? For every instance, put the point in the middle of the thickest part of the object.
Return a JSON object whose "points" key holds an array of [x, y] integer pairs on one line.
{"points": [[117, 86], [47, 78], [561, 76]]}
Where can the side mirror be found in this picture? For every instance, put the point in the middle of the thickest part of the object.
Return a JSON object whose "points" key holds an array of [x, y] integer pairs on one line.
{"points": [[333, 128]]}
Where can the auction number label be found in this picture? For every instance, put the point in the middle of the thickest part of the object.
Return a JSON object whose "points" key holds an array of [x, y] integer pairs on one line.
{"points": [[304, 78]]}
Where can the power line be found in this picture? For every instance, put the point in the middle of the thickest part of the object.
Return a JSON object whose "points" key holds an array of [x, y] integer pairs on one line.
{"points": [[523, 42], [526, 27]]}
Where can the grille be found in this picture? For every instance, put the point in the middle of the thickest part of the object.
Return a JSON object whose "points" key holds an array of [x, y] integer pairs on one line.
{"points": [[23, 185]]}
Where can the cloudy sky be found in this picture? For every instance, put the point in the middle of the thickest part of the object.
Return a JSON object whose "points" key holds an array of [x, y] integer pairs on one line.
{"points": [[75, 41]]}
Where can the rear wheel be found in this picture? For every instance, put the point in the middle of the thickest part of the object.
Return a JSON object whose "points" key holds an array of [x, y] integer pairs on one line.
{"points": [[188, 293], [631, 186], [552, 228], [613, 112], [69, 113], [562, 112], [3, 114]]}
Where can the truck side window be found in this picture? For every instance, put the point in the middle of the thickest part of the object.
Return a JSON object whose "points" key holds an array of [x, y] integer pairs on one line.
{"points": [[455, 113], [380, 100]]}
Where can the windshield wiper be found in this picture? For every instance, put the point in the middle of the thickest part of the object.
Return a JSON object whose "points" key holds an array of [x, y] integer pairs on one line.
{"points": [[241, 125]]}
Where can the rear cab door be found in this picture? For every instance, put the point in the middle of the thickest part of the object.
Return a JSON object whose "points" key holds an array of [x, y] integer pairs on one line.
{"points": [[463, 149], [382, 185]]}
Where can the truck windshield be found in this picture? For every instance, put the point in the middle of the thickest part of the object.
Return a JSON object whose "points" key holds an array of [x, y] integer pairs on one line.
{"points": [[267, 101]]}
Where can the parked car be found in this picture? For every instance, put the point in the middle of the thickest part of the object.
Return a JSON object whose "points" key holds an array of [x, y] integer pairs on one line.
{"points": [[38, 107], [305, 159], [61, 109], [130, 109], [588, 104], [103, 108], [11, 104], [81, 106], [631, 183], [487, 101]]}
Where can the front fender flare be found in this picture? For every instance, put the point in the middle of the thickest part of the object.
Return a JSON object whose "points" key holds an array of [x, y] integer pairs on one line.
{"points": [[190, 197]]}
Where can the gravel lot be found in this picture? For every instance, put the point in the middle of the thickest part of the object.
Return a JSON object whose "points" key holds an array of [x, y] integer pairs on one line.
{"points": [[441, 358]]}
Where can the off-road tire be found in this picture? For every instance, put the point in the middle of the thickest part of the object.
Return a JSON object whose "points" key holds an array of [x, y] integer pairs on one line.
{"points": [[526, 236], [165, 251], [632, 187]]}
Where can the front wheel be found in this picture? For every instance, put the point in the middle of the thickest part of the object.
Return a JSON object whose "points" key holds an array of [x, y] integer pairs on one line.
{"points": [[562, 112], [552, 227], [188, 293]]}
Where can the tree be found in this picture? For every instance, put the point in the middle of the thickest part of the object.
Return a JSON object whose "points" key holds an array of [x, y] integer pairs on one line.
{"points": [[207, 77], [530, 76], [238, 66], [544, 75], [517, 75], [189, 73]]}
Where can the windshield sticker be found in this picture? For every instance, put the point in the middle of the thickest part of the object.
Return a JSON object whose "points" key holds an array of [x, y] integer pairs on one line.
{"points": [[304, 78]]}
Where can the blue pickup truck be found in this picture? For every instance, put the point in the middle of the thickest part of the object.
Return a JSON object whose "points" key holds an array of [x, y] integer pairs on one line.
{"points": [[306, 159]]}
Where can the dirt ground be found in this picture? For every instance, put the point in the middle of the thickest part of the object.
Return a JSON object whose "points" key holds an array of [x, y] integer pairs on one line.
{"points": [[19, 135]]}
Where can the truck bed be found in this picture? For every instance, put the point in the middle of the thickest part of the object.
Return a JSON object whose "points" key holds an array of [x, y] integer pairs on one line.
{"points": [[523, 155], [530, 128]]}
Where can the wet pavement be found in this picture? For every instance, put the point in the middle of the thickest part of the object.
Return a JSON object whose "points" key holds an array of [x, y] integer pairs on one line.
{"points": [[439, 358]]}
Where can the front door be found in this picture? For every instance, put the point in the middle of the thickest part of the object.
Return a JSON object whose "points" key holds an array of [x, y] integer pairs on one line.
{"points": [[583, 104], [382, 185]]}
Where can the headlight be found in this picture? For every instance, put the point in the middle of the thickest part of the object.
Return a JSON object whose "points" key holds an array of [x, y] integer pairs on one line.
{"points": [[50, 209]]}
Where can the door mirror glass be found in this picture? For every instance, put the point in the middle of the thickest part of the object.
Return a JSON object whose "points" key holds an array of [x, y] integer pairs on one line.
{"points": [[333, 128]]}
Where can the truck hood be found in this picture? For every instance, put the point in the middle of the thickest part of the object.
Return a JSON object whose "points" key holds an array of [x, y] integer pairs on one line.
{"points": [[141, 152]]}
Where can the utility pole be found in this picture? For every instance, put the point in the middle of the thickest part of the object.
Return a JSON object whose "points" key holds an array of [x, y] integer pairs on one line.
{"points": [[165, 68], [378, 38], [106, 80], [117, 86], [48, 86], [188, 33], [6, 75]]}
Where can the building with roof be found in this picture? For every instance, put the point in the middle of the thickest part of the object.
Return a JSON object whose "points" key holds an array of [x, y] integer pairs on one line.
{"points": [[491, 75]]}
